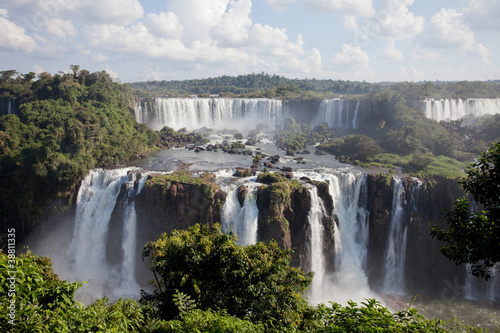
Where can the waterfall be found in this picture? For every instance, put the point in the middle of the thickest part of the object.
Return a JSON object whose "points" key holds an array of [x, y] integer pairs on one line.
{"points": [[355, 121], [335, 113], [217, 113], [241, 220], [316, 212], [478, 289], [394, 278], [349, 282], [96, 202], [454, 109]]}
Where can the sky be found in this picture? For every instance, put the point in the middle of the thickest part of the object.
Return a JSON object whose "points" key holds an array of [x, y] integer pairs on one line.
{"points": [[361, 40]]}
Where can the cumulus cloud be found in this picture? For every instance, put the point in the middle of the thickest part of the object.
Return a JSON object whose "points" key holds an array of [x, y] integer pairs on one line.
{"points": [[198, 17], [279, 4], [479, 50], [350, 23], [397, 21], [391, 53], [164, 25], [349, 7], [351, 57], [234, 24], [483, 15], [60, 28], [13, 36], [447, 29], [273, 41]]}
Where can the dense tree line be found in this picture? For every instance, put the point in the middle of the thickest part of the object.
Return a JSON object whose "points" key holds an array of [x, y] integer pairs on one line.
{"points": [[64, 125], [266, 85]]}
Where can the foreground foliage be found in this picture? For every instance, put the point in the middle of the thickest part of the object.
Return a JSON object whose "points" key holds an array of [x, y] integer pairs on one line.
{"points": [[473, 236], [254, 282], [44, 303]]}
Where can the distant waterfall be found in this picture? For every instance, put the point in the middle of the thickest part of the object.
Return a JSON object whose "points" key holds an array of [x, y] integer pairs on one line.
{"points": [[337, 113], [394, 278], [216, 113], [7, 106], [349, 280], [96, 202], [454, 109], [241, 220], [316, 212], [355, 120]]}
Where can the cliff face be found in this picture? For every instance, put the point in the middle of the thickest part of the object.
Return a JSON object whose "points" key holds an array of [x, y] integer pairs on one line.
{"points": [[177, 201], [284, 207], [426, 269]]}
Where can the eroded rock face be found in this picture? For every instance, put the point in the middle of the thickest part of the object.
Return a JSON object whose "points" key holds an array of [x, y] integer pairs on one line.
{"points": [[426, 269], [284, 207], [177, 201]]}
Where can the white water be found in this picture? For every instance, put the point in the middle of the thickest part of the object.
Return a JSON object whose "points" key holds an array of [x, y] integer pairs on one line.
{"points": [[336, 113], [454, 109], [317, 211], [355, 121], [394, 277], [241, 220], [215, 113], [349, 282], [96, 201]]}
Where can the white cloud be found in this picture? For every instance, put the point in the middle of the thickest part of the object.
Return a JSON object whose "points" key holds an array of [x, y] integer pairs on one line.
{"points": [[198, 17], [234, 24], [112, 73], [273, 41], [397, 21], [349, 7], [351, 57], [98, 58], [479, 50], [483, 14], [447, 29], [37, 69], [422, 54], [13, 36], [165, 25], [60, 28], [350, 23], [391, 53], [279, 4], [120, 12]]}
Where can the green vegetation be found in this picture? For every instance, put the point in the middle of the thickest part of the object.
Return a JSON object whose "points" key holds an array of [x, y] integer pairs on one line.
{"points": [[253, 282], [294, 136], [473, 236], [204, 283], [64, 126], [274, 86]]}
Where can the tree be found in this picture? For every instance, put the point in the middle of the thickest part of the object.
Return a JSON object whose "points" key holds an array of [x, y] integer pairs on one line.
{"points": [[473, 236], [254, 282]]}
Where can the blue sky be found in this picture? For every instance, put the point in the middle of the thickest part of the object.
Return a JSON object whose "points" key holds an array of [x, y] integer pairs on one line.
{"points": [[371, 40]]}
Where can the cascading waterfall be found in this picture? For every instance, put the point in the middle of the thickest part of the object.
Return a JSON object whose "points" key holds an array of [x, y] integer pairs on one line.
{"points": [[355, 118], [454, 109], [394, 277], [349, 282], [316, 212], [241, 220], [216, 113], [96, 201], [336, 113]]}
